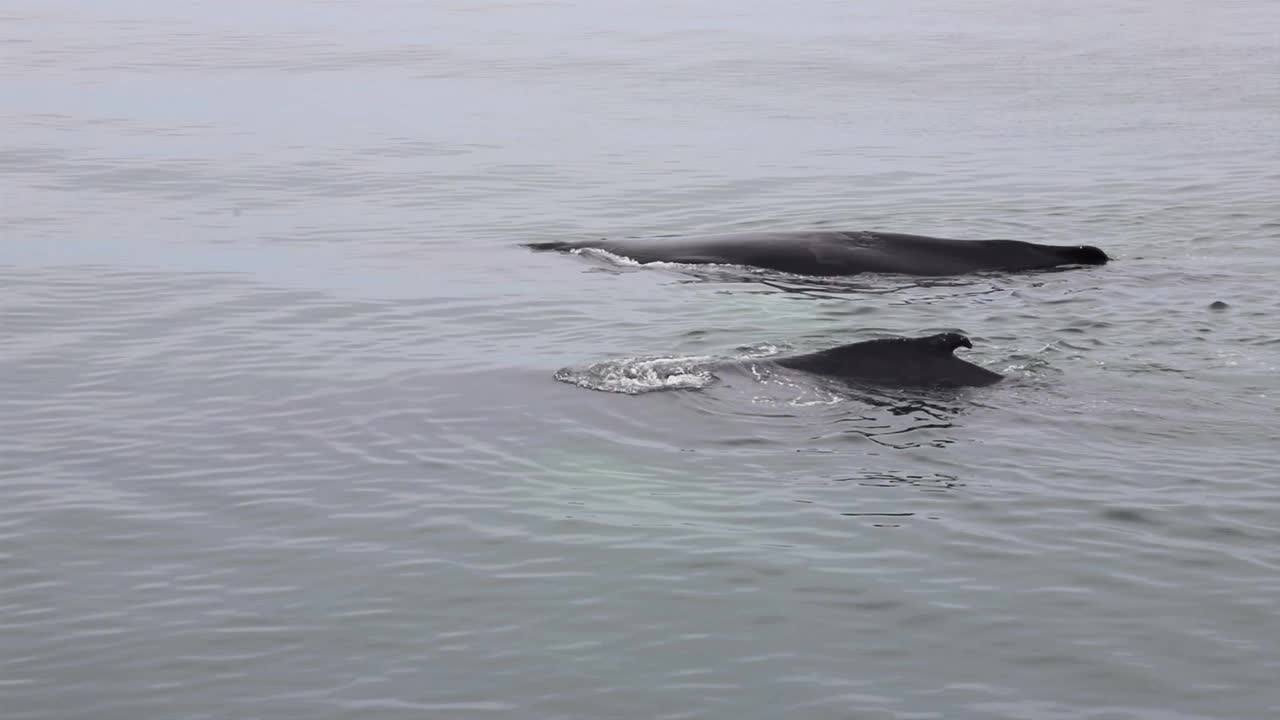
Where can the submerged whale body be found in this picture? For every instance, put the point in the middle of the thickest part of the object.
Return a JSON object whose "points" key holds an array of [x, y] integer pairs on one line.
{"points": [[899, 362], [830, 253]]}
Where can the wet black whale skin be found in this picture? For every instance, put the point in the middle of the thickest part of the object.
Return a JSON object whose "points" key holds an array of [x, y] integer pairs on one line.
{"points": [[898, 362], [830, 253]]}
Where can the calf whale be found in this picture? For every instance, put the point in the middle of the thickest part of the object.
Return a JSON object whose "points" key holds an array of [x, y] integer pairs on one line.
{"points": [[831, 253], [898, 362]]}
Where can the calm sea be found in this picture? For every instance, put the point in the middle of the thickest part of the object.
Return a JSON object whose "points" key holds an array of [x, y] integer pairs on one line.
{"points": [[280, 435]]}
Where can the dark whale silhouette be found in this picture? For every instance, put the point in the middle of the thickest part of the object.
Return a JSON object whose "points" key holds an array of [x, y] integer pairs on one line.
{"points": [[828, 253], [898, 362]]}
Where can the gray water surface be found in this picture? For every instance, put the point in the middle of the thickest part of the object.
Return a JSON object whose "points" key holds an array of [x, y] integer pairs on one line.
{"points": [[280, 434]]}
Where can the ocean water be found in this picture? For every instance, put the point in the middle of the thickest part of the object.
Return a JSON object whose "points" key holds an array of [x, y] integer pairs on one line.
{"points": [[282, 435]]}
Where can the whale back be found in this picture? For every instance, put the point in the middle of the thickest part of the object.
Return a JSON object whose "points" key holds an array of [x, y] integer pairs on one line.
{"points": [[900, 362], [831, 252], [1085, 255], [922, 255]]}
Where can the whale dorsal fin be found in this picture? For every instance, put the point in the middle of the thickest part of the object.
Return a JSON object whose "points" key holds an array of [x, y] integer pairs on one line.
{"points": [[946, 343]]}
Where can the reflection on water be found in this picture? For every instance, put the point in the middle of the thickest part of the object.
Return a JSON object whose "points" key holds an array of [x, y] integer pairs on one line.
{"points": [[904, 423]]}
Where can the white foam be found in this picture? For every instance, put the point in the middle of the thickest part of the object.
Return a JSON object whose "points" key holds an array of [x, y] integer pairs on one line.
{"points": [[636, 375]]}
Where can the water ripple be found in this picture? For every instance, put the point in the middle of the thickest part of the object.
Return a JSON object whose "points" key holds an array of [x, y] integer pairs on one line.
{"points": [[281, 434]]}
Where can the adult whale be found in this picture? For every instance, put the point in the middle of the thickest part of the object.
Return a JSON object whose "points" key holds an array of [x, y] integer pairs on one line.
{"points": [[829, 252], [898, 362]]}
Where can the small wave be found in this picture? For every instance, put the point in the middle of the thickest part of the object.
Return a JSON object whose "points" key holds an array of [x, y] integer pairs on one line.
{"points": [[908, 288], [605, 255], [759, 350], [702, 271], [636, 375]]}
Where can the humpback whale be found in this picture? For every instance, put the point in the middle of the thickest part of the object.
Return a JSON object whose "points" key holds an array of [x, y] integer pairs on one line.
{"points": [[899, 362], [832, 253]]}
